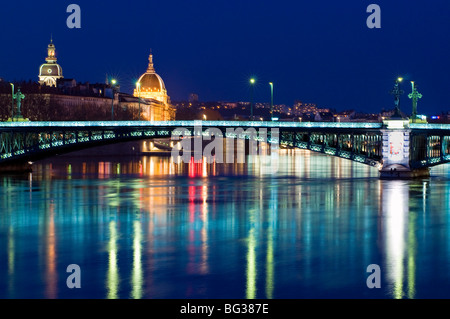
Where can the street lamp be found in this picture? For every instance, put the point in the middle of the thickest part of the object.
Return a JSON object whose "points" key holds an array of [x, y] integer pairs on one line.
{"points": [[204, 117], [252, 83], [138, 84], [113, 83], [271, 100], [12, 102]]}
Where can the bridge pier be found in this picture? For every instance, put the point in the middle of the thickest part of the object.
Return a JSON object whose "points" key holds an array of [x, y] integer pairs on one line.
{"points": [[402, 172], [397, 151]]}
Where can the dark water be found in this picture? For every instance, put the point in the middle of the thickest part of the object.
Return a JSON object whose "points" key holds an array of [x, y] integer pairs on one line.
{"points": [[145, 227]]}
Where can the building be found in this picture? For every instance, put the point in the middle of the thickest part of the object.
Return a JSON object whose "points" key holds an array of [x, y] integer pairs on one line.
{"points": [[301, 108], [50, 71], [150, 87], [149, 101]]}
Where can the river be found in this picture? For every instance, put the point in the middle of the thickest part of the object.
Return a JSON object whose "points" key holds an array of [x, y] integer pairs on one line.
{"points": [[146, 227]]}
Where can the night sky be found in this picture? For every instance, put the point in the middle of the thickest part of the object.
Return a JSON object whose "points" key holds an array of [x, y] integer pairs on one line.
{"points": [[314, 51]]}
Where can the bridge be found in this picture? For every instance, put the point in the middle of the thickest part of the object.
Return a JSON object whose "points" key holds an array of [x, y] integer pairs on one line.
{"points": [[396, 147]]}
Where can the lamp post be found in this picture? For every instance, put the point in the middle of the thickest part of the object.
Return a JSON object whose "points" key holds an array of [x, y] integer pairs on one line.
{"points": [[12, 102], [252, 83], [271, 101], [113, 83], [138, 84]]}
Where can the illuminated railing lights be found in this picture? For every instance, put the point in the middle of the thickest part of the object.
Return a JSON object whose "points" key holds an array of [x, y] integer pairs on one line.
{"points": [[193, 123]]}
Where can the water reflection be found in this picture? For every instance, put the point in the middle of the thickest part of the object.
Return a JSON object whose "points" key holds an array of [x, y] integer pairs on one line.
{"points": [[112, 280], [160, 229], [251, 258], [137, 276], [51, 275]]}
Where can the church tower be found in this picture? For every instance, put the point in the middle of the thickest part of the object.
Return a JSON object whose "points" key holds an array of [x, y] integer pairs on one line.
{"points": [[50, 71]]}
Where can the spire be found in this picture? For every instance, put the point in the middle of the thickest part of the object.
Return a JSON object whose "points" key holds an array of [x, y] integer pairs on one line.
{"points": [[151, 68]]}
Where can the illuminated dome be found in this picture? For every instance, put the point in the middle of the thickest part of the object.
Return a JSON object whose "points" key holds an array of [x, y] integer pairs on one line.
{"points": [[150, 85], [51, 71], [151, 82]]}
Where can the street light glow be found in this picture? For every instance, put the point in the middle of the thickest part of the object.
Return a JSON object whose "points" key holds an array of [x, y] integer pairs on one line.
{"points": [[252, 81], [113, 81], [400, 79]]}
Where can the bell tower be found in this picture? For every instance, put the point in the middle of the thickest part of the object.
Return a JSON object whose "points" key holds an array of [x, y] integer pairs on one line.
{"points": [[50, 71], [51, 55]]}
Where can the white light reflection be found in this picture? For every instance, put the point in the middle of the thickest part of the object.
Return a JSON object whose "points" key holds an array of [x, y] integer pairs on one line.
{"points": [[398, 240], [112, 280], [137, 274], [204, 266]]}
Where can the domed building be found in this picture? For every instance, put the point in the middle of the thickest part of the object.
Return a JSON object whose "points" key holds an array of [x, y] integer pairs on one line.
{"points": [[150, 86], [51, 71]]}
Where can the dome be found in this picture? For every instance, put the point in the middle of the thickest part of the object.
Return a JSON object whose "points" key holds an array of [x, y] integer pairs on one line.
{"points": [[150, 85], [50, 69], [151, 82]]}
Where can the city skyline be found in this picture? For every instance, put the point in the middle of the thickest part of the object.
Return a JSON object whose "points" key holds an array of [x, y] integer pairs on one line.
{"points": [[204, 50]]}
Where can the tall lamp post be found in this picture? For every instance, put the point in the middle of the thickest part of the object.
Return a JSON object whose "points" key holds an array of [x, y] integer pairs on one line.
{"points": [[12, 102], [252, 83], [271, 101], [113, 84], [138, 84]]}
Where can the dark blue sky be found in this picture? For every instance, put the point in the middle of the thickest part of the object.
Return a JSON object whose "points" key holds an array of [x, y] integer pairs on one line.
{"points": [[316, 51]]}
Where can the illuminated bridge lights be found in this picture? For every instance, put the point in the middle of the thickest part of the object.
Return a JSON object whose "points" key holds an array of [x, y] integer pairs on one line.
{"points": [[149, 133], [447, 157], [359, 159], [194, 123], [135, 134], [56, 144], [44, 146], [164, 133], [303, 145], [345, 154], [6, 155], [317, 148], [434, 160], [330, 151], [429, 126]]}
